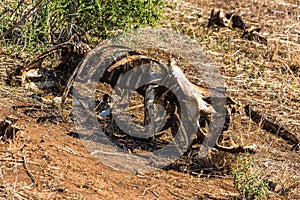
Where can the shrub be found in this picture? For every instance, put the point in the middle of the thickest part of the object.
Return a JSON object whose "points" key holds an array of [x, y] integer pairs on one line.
{"points": [[59, 19], [247, 180]]}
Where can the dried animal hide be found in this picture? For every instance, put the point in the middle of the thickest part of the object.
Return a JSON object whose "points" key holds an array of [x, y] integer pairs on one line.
{"points": [[252, 33], [7, 128], [220, 18], [231, 20]]}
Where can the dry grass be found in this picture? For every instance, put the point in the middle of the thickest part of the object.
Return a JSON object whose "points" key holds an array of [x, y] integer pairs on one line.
{"points": [[265, 76]]}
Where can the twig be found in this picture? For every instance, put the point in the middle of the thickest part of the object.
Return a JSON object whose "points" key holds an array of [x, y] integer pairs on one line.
{"points": [[22, 21], [155, 194], [22, 161], [9, 188], [69, 84], [27, 170], [44, 54], [69, 150], [7, 9], [22, 146], [176, 195], [135, 107], [148, 189], [272, 127], [108, 153]]}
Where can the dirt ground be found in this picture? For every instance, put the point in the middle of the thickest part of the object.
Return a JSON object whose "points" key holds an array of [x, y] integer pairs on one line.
{"points": [[62, 168], [47, 159]]}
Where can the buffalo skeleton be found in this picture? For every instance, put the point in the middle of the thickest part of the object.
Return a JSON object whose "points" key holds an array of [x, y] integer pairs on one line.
{"points": [[122, 61]]}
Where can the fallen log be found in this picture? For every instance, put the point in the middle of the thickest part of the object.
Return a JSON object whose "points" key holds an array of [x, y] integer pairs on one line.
{"points": [[272, 127]]}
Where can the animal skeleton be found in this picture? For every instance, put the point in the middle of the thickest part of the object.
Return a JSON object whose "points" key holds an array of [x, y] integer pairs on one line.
{"points": [[128, 59]]}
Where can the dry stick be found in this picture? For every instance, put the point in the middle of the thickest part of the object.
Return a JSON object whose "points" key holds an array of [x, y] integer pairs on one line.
{"points": [[108, 153], [135, 107], [175, 194], [27, 170], [154, 193], [69, 85], [272, 127], [49, 50], [22, 21], [69, 150], [4, 11], [19, 5], [148, 189], [45, 53], [22, 146], [9, 188], [14, 11]]}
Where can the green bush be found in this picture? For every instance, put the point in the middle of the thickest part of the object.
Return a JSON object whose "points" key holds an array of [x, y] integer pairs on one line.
{"points": [[58, 19], [247, 180]]}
